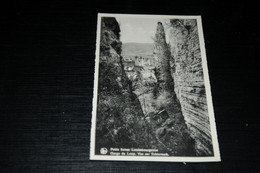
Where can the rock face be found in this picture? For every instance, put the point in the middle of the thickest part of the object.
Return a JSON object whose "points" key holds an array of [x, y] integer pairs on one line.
{"points": [[163, 69], [163, 55], [118, 109], [186, 67], [176, 135]]}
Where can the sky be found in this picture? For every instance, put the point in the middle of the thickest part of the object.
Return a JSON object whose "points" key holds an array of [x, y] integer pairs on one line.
{"points": [[139, 30]]}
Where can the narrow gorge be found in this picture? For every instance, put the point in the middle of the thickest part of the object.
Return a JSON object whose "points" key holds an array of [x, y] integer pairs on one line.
{"points": [[153, 98]]}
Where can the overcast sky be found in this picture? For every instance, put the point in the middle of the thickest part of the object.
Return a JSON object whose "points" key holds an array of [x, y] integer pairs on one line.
{"points": [[140, 30]]}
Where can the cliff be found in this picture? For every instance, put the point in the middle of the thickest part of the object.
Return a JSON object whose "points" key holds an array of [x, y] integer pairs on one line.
{"points": [[176, 135], [119, 113], [186, 67]]}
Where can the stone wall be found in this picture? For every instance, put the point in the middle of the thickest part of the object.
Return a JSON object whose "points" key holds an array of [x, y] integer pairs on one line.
{"points": [[187, 72]]}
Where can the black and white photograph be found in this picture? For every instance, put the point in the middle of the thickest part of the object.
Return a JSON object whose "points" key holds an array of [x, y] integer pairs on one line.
{"points": [[152, 97]]}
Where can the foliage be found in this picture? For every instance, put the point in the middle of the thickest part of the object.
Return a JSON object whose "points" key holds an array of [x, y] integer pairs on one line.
{"points": [[109, 78], [117, 45]]}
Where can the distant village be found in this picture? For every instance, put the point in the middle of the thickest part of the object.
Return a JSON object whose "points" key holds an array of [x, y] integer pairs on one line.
{"points": [[133, 63]]}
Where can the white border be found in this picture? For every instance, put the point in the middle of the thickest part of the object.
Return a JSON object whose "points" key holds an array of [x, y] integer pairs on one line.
{"points": [[214, 158]]}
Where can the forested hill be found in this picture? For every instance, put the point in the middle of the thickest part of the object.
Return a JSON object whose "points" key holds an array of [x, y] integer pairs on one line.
{"points": [[137, 48]]}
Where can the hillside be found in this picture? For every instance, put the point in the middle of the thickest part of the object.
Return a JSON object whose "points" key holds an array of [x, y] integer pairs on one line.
{"points": [[137, 49]]}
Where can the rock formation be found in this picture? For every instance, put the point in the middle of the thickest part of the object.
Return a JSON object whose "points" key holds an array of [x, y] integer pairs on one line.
{"points": [[119, 114], [175, 133], [187, 73]]}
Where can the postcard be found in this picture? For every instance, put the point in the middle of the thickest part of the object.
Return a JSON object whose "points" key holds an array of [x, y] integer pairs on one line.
{"points": [[152, 97]]}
